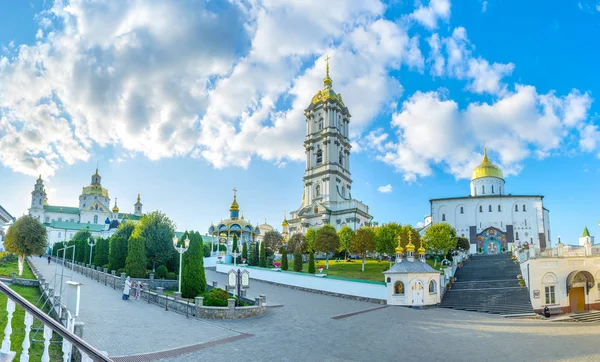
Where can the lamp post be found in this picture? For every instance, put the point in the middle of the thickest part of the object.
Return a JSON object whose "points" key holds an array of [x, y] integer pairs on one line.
{"points": [[235, 254], [91, 243], [181, 249]]}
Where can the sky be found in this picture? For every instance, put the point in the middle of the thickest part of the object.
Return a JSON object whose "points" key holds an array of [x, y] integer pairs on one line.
{"points": [[181, 101]]}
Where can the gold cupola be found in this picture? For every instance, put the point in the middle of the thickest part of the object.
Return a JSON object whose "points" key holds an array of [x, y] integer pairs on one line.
{"points": [[399, 248], [327, 93], [115, 209], [486, 169], [421, 250]]}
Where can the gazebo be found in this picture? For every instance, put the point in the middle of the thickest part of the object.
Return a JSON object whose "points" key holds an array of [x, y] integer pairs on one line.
{"points": [[234, 225]]}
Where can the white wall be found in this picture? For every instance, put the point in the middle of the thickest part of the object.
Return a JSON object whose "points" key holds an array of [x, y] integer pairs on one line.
{"points": [[347, 287], [408, 279]]}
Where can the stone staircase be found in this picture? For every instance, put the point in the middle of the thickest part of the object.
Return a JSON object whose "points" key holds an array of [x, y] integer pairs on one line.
{"points": [[488, 283], [589, 316]]}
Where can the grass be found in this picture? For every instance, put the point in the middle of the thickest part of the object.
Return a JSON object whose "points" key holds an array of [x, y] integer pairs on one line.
{"points": [[6, 270], [36, 350], [437, 267], [350, 269]]}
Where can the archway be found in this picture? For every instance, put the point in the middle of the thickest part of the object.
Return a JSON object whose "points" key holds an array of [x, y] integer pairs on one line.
{"points": [[491, 241], [579, 283]]}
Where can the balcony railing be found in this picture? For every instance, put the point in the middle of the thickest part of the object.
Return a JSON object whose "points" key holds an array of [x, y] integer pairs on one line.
{"points": [[69, 339]]}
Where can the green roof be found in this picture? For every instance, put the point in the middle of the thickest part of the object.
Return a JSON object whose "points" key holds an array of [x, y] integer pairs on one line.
{"points": [[205, 238], [62, 209], [585, 232], [126, 216], [75, 226]]}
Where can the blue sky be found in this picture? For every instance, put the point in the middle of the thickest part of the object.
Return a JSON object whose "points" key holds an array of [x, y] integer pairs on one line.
{"points": [[182, 101]]}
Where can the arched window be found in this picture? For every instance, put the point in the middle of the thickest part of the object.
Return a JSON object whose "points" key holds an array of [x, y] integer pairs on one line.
{"points": [[344, 191], [60, 219], [524, 209], [95, 219], [499, 208], [525, 222], [462, 211], [517, 235], [341, 158], [480, 208], [318, 190], [490, 208], [399, 288], [517, 208], [432, 287], [40, 201], [482, 189], [443, 217], [320, 124], [319, 156], [492, 188]]}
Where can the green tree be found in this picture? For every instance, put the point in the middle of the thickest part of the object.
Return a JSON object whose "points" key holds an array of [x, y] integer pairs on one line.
{"points": [[386, 238], [253, 254], [193, 279], [56, 247], [27, 236], [284, 258], [311, 262], [327, 242], [272, 241], [262, 262], [118, 246], [463, 244], [310, 238], [101, 252], [234, 246], [298, 239], [135, 263], [245, 252], [363, 242], [345, 234], [206, 249], [158, 232], [440, 238], [298, 258], [82, 248], [415, 236]]}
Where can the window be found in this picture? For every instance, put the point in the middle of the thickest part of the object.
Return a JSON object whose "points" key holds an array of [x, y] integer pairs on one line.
{"points": [[492, 188], [432, 287], [320, 124], [318, 190], [525, 222], [319, 156], [60, 219], [517, 235], [341, 158], [524, 208], [343, 191], [462, 211], [499, 208], [59, 234], [40, 201], [517, 208], [500, 192], [399, 288], [480, 208], [482, 189], [95, 219], [47, 219], [490, 208], [443, 217], [550, 295]]}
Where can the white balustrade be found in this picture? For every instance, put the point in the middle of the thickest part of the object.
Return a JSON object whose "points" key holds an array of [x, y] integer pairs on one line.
{"points": [[47, 337], [26, 342], [10, 308]]}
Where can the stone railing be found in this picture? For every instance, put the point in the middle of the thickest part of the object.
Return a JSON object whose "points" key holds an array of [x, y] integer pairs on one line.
{"points": [[69, 339]]}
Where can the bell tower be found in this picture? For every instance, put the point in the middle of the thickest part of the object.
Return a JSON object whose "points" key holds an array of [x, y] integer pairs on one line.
{"points": [[38, 200]]}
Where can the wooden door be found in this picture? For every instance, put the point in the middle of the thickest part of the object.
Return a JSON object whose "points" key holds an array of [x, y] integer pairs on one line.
{"points": [[577, 299]]}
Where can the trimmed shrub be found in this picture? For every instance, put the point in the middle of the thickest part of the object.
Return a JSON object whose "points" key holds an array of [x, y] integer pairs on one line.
{"points": [[262, 262], [135, 263], [217, 293], [214, 302], [297, 259], [171, 276], [311, 262], [284, 258], [161, 272], [193, 280], [245, 251]]}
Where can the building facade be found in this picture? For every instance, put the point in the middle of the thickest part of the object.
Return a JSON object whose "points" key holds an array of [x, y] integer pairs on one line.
{"points": [[92, 213], [327, 195], [5, 220], [492, 220]]}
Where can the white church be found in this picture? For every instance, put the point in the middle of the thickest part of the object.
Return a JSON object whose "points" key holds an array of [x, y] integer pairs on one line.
{"points": [[492, 220], [327, 197], [93, 213]]}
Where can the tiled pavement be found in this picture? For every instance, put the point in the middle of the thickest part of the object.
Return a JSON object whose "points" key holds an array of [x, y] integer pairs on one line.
{"points": [[305, 330]]}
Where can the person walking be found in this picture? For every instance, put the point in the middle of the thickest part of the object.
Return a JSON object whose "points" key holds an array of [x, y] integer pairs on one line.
{"points": [[139, 290], [126, 288], [49, 257]]}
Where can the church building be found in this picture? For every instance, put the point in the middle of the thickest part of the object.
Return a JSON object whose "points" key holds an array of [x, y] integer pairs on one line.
{"points": [[93, 212], [327, 197], [492, 220]]}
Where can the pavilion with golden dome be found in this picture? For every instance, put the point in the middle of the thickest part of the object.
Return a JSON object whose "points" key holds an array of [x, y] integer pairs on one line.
{"points": [[491, 219]]}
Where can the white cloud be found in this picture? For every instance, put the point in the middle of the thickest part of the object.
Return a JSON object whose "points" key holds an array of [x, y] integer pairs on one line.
{"points": [[484, 6], [428, 15], [432, 130], [385, 189]]}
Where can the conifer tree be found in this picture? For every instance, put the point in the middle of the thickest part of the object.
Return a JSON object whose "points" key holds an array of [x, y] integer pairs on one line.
{"points": [[284, 258], [234, 247], [245, 251], [135, 263], [311, 262], [298, 258], [193, 279], [118, 246], [263, 256], [101, 252]]}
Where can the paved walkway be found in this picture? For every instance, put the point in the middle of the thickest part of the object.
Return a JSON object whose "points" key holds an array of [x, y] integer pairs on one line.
{"points": [[313, 326]]}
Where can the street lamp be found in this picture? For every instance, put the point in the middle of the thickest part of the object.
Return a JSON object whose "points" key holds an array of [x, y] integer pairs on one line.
{"points": [[91, 243], [181, 249]]}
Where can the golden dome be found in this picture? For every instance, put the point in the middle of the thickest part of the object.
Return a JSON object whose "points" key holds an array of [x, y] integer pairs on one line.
{"points": [[410, 246], [486, 169], [421, 250], [284, 223], [138, 199], [399, 249], [327, 93], [234, 205], [116, 208]]}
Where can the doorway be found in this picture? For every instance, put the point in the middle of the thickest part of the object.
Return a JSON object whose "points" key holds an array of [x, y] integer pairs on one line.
{"points": [[417, 293], [577, 299]]}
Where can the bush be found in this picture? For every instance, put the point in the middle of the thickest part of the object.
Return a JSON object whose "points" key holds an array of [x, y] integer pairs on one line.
{"points": [[161, 272], [171, 276], [120, 270], [217, 293], [214, 302], [311, 262], [297, 259], [284, 258]]}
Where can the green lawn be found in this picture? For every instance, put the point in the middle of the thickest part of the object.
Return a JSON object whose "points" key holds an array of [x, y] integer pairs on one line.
{"points": [[18, 334], [6, 270], [437, 267], [350, 269]]}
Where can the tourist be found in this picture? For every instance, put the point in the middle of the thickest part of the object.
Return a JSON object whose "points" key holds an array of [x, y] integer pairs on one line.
{"points": [[49, 257], [546, 312], [126, 288], [139, 290]]}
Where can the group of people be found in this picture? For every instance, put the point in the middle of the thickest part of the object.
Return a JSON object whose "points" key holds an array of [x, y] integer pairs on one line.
{"points": [[136, 287]]}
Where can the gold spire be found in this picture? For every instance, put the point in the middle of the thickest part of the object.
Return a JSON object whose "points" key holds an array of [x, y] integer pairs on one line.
{"points": [[410, 246], [486, 168], [234, 205], [399, 249], [116, 208], [421, 250], [284, 223], [327, 81], [138, 199]]}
